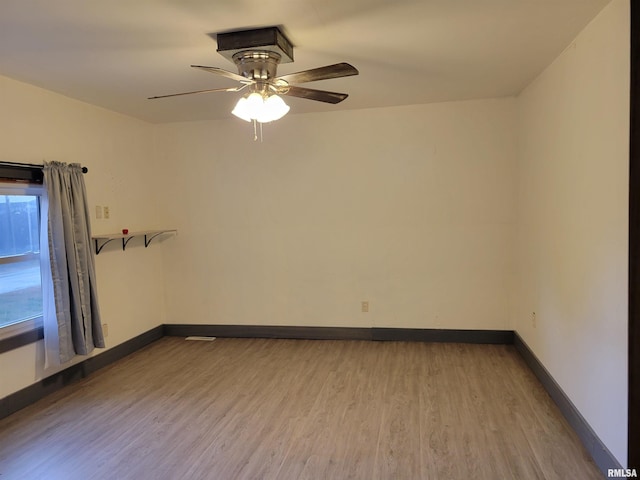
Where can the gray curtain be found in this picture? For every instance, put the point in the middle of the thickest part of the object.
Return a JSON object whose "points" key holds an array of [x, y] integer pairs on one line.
{"points": [[72, 317]]}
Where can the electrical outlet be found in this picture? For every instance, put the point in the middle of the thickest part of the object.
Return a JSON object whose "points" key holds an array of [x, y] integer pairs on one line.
{"points": [[98, 212], [105, 329], [533, 320], [365, 306], [106, 213]]}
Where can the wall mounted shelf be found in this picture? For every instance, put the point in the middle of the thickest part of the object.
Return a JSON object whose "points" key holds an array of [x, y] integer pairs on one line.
{"points": [[102, 240]]}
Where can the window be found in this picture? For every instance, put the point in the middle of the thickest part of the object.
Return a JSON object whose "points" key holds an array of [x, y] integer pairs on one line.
{"points": [[20, 283]]}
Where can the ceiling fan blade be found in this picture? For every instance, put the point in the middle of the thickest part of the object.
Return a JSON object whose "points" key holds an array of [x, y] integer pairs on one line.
{"points": [[223, 72], [312, 94], [230, 89], [321, 73]]}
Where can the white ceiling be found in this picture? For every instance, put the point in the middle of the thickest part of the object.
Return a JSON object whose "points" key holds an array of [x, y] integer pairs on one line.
{"points": [[117, 53]]}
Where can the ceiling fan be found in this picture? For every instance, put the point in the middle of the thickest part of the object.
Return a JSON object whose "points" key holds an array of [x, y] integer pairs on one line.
{"points": [[257, 54]]}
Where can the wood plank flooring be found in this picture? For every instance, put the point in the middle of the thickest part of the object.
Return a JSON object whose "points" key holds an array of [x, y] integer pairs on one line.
{"points": [[298, 409]]}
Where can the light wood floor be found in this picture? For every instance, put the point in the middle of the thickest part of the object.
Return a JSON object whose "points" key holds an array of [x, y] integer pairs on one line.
{"points": [[298, 409]]}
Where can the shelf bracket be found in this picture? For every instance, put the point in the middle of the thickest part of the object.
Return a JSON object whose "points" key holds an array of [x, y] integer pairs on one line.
{"points": [[148, 238], [125, 241], [100, 246]]}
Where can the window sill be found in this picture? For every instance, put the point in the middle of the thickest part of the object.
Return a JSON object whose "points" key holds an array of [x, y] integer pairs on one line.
{"points": [[20, 334]]}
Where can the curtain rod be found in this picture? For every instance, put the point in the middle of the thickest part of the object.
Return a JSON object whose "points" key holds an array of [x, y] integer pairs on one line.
{"points": [[31, 165]]}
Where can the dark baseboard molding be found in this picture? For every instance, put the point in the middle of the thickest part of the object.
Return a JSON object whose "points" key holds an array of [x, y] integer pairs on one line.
{"points": [[501, 337], [268, 331], [342, 333], [48, 385], [600, 453]]}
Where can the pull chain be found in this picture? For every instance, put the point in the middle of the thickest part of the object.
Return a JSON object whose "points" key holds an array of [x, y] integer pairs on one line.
{"points": [[255, 131]]}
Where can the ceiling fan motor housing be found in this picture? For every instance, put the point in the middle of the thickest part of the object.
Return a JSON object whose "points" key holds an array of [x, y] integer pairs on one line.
{"points": [[259, 65]]}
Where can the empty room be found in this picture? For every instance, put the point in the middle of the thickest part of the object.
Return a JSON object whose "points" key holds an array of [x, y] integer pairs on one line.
{"points": [[319, 239]]}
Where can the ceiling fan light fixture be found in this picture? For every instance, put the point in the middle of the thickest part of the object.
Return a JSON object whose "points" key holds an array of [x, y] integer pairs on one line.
{"points": [[273, 108], [241, 110], [256, 107]]}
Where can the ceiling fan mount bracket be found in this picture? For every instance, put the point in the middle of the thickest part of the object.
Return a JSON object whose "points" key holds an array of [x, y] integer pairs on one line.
{"points": [[269, 39]]}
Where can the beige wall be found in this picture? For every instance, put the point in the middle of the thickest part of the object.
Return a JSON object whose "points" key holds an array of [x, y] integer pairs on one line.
{"points": [[37, 125], [572, 250], [409, 208]]}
